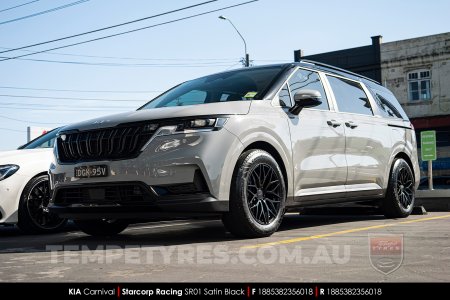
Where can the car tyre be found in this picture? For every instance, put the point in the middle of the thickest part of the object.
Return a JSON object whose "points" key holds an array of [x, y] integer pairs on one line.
{"points": [[400, 194], [33, 214], [103, 227], [257, 196]]}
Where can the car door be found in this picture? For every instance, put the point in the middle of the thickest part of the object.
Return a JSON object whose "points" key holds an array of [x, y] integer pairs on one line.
{"points": [[367, 141], [318, 143]]}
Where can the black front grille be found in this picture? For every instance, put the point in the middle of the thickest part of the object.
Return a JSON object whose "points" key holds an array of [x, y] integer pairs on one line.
{"points": [[117, 194], [122, 142], [187, 188]]}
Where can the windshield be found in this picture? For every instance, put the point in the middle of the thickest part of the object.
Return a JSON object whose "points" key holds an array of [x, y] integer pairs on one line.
{"points": [[44, 141], [240, 85]]}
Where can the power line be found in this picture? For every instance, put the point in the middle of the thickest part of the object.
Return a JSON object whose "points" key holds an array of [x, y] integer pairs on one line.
{"points": [[15, 130], [56, 109], [44, 12], [30, 122], [74, 98], [77, 91], [155, 59], [198, 65], [134, 30], [71, 105], [110, 27], [132, 58], [26, 3]]}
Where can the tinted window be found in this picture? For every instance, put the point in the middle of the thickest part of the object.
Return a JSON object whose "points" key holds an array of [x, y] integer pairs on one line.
{"points": [[44, 141], [285, 97], [350, 96], [388, 104], [308, 80], [240, 85], [190, 98]]}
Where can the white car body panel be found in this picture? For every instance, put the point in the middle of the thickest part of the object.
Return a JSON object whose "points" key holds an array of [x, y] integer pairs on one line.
{"points": [[32, 162]]}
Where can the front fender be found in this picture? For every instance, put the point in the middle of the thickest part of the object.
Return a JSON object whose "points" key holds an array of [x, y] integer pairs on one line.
{"points": [[266, 126]]}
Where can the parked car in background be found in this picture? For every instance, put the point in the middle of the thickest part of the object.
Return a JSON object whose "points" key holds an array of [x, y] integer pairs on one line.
{"points": [[246, 144], [24, 186], [439, 183]]}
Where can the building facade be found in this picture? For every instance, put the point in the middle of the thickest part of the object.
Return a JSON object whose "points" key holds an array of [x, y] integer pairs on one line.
{"points": [[417, 71]]}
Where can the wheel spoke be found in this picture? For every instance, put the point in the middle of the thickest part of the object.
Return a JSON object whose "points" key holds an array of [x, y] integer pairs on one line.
{"points": [[252, 194], [254, 205], [264, 176], [273, 200], [252, 186], [266, 212], [272, 182], [274, 214], [254, 179], [274, 188], [36, 201], [263, 192], [260, 175], [403, 187], [253, 199], [273, 193]]}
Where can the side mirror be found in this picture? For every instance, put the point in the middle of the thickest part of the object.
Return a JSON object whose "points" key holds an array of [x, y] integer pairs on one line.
{"points": [[305, 98]]}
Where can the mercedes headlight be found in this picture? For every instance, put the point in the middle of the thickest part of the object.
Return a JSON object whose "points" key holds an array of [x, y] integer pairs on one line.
{"points": [[7, 170]]}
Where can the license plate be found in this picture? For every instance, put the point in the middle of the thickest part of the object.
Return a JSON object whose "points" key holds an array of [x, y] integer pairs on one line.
{"points": [[91, 171]]}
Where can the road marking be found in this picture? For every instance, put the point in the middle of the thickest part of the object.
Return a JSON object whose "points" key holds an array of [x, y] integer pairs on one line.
{"points": [[319, 236]]}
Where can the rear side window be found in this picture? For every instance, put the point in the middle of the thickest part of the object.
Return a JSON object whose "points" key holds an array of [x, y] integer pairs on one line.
{"points": [[350, 96], [388, 105]]}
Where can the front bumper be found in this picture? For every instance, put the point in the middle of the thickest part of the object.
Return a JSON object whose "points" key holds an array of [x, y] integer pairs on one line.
{"points": [[182, 174], [10, 193], [129, 200]]}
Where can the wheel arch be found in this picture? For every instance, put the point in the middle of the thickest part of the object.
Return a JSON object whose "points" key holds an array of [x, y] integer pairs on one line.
{"points": [[401, 151], [274, 153], [39, 174], [24, 185], [406, 158]]}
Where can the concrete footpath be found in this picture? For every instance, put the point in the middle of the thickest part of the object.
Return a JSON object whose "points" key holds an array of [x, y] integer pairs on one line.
{"points": [[435, 200]]}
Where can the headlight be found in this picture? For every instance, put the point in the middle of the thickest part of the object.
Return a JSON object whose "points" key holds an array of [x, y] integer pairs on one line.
{"points": [[188, 126], [7, 170], [208, 124]]}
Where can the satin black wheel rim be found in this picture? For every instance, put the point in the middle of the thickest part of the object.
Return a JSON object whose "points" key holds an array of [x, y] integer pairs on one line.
{"points": [[264, 193], [37, 205], [404, 188]]}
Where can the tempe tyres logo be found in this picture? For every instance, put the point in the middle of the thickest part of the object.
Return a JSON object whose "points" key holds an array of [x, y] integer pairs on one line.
{"points": [[386, 252]]}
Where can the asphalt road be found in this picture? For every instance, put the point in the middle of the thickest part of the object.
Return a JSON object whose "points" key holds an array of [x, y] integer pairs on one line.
{"points": [[306, 248]]}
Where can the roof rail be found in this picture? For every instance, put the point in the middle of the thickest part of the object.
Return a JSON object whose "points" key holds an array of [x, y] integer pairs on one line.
{"points": [[336, 69]]}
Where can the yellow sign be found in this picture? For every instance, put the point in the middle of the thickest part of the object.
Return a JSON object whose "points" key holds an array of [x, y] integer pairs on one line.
{"points": [[250, 94]]}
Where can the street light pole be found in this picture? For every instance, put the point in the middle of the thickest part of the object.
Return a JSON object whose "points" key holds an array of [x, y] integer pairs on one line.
{"points": [[247, 56]]}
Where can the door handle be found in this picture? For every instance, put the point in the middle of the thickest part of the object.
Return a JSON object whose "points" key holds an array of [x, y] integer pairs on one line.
{"points": [[334, 123], [351, 124]]}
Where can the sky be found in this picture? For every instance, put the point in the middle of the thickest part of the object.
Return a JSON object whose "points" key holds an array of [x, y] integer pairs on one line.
{"points": [[126, 71]]}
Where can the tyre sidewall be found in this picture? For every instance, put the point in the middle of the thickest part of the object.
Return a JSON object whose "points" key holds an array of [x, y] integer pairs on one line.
{"points": [[252, 159], [392, 196], [26, 222]]}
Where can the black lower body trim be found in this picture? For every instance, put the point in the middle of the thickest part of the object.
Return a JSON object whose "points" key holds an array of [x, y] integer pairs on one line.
{"points": [[130, 200]]}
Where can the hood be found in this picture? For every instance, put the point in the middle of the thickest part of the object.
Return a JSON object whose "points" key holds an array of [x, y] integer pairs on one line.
{"points": [[219, 108], [18, 156]]}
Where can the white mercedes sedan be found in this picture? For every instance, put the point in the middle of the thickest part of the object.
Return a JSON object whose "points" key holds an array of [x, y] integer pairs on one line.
{"points": [[24, 186]]}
